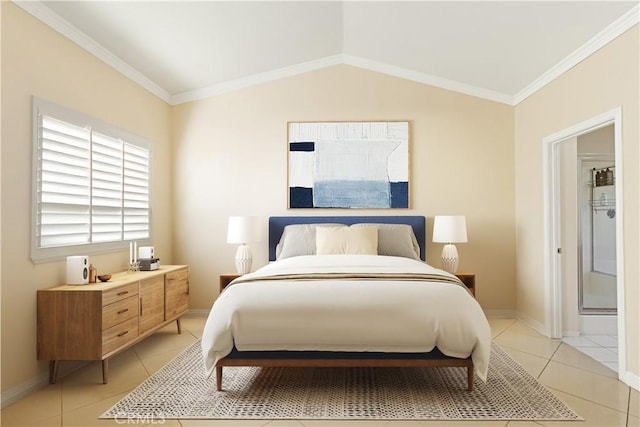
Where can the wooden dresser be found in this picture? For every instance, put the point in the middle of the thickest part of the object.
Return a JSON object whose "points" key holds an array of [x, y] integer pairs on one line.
{"points": [[99, 320]]}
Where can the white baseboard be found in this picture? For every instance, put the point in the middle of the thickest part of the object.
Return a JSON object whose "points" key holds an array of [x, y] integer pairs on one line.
{"points": [[16, 393], [13, 395], [531, 322]]}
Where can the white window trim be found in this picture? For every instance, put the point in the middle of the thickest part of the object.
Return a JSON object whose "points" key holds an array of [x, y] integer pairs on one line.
{"points": [[41, 255]]}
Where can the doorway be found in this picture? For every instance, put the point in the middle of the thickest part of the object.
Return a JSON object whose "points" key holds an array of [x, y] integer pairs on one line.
{"points": [[556, 296]]}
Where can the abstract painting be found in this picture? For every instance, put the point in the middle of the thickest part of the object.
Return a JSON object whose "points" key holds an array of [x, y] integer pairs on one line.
{"points": [[348, 165]]}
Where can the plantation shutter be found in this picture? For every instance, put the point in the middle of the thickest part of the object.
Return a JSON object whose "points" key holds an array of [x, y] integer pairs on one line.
{"points": [[63, 181], [106, 198], [91, 185], [136, 192]]}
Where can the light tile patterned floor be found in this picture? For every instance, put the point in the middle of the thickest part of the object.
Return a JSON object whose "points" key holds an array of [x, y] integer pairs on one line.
{"points": [[603, 348], [588, 387]]}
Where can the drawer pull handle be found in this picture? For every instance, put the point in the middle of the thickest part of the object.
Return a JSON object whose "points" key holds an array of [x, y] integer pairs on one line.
{"points": [[123, 311], [121, 334], [122, 293]]}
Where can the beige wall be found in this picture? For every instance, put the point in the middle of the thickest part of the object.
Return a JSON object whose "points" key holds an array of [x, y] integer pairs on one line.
{"points": [[602, 82], [231, 158], [38, 61], [600, 141]]}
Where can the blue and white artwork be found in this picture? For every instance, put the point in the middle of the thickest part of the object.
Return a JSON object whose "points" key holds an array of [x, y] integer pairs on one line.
{"points": [[349, 165]]}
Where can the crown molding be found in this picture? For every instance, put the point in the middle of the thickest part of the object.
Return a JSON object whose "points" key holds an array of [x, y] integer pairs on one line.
{"points": [[339, 59], [46, 15], [256, 79], [53, 20], [615, 29], [427, 79]]}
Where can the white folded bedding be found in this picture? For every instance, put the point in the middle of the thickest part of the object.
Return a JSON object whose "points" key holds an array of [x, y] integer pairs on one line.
{"points": [[336, 303]]}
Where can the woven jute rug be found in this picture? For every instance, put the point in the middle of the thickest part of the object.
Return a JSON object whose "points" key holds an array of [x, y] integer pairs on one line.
{"points": [[180, 390]]}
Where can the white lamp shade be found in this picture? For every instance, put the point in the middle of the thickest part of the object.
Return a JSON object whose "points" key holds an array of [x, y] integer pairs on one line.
{"points": [[243, 229], [449, 229]]}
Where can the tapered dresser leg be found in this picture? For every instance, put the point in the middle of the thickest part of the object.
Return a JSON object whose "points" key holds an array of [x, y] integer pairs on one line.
{"points": [[105, 371], [53, 371], [219, 378], [179, 326]]}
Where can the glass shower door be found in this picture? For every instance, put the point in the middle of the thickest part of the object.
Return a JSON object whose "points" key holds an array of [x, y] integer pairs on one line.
{"points": [[597, 293]]}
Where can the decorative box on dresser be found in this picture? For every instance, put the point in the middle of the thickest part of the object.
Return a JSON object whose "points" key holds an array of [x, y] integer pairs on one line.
{"points": [[99, 320]]}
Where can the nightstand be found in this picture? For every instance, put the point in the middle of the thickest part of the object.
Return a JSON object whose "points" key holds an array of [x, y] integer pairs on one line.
{"points": [[469, 281], [225, 279]]}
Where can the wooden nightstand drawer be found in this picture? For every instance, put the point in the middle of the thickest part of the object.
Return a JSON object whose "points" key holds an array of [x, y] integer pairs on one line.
{"points": [[120, 293], [120, 311], [119, 335]]}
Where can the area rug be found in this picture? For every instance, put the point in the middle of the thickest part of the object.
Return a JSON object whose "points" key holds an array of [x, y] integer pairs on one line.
{"points": [[180, 390]]}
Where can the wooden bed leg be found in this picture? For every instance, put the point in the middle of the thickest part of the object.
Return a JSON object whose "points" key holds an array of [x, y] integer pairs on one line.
{"points": [[469, 378], [219, 378]]}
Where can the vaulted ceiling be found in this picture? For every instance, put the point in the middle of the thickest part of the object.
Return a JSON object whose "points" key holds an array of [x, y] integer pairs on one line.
{"points": [[182, 50]]}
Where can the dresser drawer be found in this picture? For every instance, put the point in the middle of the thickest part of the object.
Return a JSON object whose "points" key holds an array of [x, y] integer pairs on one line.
{"points": [[120, 293], [119, 311], [119, 335]]}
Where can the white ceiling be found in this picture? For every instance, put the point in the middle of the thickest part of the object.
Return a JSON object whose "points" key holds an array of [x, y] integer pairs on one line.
{"points": [[184, 50]]}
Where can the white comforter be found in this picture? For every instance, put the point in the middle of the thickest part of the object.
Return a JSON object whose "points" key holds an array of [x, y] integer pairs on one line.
{"points": [[346, 313]]}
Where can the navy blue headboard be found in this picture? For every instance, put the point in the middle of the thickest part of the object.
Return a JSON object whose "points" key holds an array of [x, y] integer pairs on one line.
{"points": [[277, 224]]}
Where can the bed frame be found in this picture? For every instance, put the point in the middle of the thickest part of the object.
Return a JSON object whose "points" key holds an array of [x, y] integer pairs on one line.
{"points": [[328, 359]]}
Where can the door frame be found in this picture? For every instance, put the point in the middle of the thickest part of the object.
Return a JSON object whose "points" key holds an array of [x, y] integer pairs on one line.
{"points": [[551, 226]]}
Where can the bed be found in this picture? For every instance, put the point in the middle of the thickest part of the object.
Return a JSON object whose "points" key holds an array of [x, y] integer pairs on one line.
{"points": [[347, 291]]}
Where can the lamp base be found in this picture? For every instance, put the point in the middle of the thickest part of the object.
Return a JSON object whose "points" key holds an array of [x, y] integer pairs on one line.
{"points": [[450, 258], [243, 259]]}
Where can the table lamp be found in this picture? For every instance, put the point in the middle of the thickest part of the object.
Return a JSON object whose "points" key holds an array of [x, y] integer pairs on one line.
{"points": [[243, 230], [449, 229]]}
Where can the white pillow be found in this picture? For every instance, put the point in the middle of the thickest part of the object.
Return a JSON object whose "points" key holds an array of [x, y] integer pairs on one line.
{"points": [[347, 240], [299, 239]]}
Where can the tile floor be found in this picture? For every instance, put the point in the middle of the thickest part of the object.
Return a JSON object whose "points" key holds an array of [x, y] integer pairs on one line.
{"points": [[588, 387], [603, 348]]}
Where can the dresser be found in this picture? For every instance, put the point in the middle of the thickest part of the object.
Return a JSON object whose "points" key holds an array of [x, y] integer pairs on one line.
{"points": [[99, 320]]}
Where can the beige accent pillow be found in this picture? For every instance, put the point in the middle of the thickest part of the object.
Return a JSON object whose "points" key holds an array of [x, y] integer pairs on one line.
{"points": [[395, 240], [347, 240], [299, 239]]}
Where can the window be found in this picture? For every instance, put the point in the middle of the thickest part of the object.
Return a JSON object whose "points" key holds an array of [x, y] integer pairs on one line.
{"points": [[91, 185]]}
